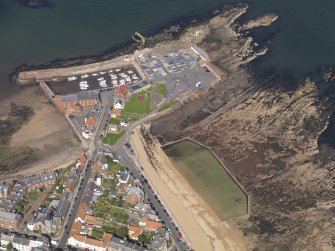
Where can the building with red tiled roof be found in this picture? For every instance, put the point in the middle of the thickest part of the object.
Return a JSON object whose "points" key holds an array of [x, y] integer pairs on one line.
{"points": [[90, 122], [122, 92], [134, 232], [70, 186], [81, 162], [116, 112], [81, 213], [83, 242], [150, 224]]}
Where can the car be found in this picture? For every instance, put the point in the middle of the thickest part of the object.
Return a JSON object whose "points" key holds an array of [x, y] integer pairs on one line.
{"points": [[146, 181], [150, 188], [127, 169], [142, 168]]}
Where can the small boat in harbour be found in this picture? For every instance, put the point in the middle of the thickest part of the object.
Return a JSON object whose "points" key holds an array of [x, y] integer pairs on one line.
{"points": [[71, 78]]}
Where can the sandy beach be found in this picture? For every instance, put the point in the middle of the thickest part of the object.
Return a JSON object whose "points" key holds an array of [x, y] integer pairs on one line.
{"points": [[199, 224], [47, 132]]}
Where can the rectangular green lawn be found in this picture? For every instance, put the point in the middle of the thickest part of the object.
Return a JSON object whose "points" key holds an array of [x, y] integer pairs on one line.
{"points": [[162, 90], [112, 138], [209, 178], [138, 103]]}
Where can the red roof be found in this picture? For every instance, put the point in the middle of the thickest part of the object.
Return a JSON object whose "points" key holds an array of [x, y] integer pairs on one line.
{"points": [[122, 91]]}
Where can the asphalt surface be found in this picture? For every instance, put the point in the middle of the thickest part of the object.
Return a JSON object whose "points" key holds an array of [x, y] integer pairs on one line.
{"points": [[91, 156], [127, 160], [156, 204]]}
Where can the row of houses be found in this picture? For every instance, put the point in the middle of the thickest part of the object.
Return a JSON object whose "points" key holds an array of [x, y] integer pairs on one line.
{"points": [[51, 219], [15, 192], [74, 103], [21, 243]]}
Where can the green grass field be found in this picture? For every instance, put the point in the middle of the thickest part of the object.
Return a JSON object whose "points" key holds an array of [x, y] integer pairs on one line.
{"points": [[114, 121], [207, 176], [167, 106], [162, 90], [138, 104], [112, 138]]}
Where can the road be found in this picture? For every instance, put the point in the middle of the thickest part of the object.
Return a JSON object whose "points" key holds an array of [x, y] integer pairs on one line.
{"points": [[107, 101], [156, 204], [125, 160]]}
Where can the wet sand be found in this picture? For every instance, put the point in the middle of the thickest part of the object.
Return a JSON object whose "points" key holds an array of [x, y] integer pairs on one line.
{"points": [[199, 224], [47, 132]]}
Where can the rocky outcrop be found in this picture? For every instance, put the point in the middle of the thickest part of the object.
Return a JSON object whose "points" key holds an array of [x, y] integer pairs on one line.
{"points": [[268, 136], [262, 21]]}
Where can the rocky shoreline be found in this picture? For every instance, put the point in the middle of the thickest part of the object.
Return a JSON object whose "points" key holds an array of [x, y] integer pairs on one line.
{"points": [[166, 33]]}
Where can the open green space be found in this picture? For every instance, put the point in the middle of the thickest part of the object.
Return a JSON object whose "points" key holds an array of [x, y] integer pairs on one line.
{"points": [[138, 104], [114, 166], [104, 209], [112, 138], [119, 231], [162, 90], [32, 195], [114, 121], [167, 106], [209, 178]]}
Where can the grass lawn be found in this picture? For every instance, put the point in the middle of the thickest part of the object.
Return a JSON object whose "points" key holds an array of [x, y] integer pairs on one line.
{"points": [[167, 106], [114, 121], [32, 195], [162, 90], [109, 183], [138, 103], [104, 209], [112, 138], [97, 233], [119, 231], [206, 175]]}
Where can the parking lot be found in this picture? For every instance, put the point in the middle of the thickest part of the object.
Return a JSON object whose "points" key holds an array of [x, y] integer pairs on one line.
{"points": [[103, 80]]}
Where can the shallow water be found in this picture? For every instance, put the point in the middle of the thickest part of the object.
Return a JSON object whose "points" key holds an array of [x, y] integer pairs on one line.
{"points": [[303, 38]]}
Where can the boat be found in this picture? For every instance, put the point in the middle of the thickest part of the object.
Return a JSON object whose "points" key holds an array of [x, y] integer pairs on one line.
{"points": [[83, 82], [100, 79], [118, 70], [71, 78], [114, 82], [85, 76], [102, 72], [130, 72], [110, 71], [95, 74], [128, 79]]}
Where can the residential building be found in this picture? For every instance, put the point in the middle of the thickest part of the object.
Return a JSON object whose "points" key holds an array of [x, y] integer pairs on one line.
{"points": [[158, 243], [134, 196], [9, 220], [117, 244], [116, 113], [113, 128], [134, 232], [119, 103], [125, 123], [37, 181], [150, 225], [73, 103], [122, 92], [5, 190], [84, 242], [48, 221], [123, 177], [17, 194], [24, 243]]}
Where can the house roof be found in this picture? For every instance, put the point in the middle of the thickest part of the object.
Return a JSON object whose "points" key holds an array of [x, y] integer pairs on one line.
{"points": [[134, 232], [70, 186], [97, 243], [117, 112], [122, 91], [82, 159], [82, 211], [152, 224], [90, 219], [132, 199], [91, 122]]}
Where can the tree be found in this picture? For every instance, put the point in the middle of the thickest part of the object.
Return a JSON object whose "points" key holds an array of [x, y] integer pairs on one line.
{"points": [[9, 246]]}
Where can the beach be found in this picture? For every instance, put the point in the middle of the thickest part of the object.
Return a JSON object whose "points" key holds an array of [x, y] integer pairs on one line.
{"points": [[201, 227]]}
